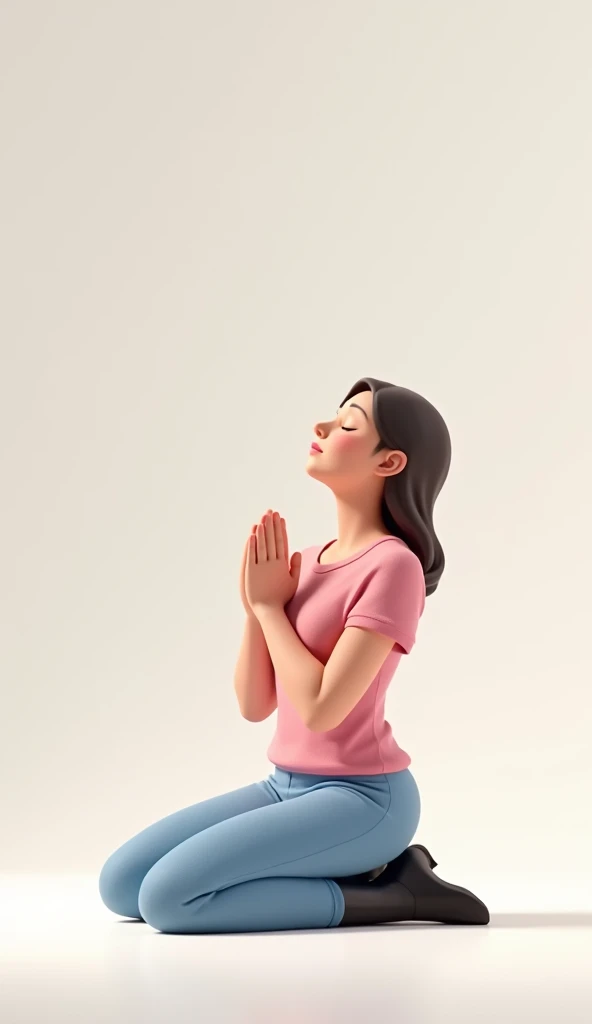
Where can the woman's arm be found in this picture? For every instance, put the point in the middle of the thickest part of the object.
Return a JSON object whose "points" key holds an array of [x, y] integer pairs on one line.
{"points": [[323, 695], [299, 672], [254, 676]]}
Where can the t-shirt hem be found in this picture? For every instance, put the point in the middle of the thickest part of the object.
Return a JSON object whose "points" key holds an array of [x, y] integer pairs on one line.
{"points": [[382, 768]]}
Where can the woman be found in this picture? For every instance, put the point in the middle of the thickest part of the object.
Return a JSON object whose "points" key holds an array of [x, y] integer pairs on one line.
{"points": [[324, 841]]}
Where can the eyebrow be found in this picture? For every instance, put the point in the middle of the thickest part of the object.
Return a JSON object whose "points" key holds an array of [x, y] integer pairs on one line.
{"points": [[354, 405]]}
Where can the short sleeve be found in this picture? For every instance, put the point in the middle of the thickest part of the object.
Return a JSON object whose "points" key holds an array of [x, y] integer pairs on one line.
{"points": [[391, 599]]}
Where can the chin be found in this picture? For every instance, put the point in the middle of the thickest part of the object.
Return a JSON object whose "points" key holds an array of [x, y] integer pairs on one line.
{"points": [[313, 472]]}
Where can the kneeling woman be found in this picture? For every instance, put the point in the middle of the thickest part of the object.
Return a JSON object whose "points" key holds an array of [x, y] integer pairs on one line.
{"points": [[324, 840]]}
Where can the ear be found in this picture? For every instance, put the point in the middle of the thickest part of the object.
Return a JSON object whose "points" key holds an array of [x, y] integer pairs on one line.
{"points": [[394, 463]]}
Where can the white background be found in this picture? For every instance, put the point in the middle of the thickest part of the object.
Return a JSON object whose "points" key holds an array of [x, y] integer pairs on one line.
{"points": [[215, 219]]}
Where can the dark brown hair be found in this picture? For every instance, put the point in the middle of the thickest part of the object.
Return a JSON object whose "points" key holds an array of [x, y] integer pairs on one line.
{"points": [[410, 423]]}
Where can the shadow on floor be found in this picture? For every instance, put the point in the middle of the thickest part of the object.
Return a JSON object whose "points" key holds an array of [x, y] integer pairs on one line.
{"points": [[563, 919]]}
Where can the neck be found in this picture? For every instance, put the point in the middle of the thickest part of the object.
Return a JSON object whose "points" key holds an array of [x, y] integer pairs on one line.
{"points": [[359, 521]]}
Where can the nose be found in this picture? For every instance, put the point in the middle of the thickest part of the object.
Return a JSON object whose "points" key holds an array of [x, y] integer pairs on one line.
{"points": [[320, 429]]}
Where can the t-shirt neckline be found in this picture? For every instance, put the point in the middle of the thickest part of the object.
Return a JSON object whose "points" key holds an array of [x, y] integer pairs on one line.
{"points": [[325, 567]]}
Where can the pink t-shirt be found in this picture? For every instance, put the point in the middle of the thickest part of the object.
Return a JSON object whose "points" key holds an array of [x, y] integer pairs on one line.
{"points": [[381, 587]]}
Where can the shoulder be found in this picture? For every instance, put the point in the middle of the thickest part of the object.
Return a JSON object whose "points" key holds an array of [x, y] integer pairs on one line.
{"points": [[396, 569], [393, 555]]}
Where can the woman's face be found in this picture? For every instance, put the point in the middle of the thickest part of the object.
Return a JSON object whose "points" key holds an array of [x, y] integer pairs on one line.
{"points": [[347, 442]]}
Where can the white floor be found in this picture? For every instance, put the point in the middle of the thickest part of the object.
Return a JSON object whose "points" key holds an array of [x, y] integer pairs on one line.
{"points": [[65, 958]]}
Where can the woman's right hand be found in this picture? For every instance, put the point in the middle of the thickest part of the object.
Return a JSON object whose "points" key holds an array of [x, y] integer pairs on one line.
{"points": [[243, 592]]}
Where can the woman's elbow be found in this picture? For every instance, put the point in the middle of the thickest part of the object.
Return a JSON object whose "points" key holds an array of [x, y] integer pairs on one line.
{"points": [[257, 714], [318, 720]]}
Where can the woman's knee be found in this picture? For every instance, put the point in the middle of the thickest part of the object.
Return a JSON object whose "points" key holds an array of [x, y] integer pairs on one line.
{"points": [[158, 897], [176, 882], [119, 884]]}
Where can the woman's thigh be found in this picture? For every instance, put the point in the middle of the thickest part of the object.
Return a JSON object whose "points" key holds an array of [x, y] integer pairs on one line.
{"points": [[329, 832], [122, 874]]}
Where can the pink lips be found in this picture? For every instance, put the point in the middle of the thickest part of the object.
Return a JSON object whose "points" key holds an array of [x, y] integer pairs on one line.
{"points": [[315, 448]]}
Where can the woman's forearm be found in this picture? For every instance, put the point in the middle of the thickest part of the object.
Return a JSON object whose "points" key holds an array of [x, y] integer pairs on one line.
{"points": [[254, 676], [299, 672]]}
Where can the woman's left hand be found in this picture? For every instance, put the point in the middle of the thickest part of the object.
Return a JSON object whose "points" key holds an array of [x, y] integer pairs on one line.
{"points": [[270, 578]]}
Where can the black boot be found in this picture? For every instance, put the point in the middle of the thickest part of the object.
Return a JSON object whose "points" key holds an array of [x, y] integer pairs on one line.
{"points": [[408, 890]]}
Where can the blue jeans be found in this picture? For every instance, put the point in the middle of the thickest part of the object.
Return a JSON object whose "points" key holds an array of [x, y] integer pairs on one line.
{"points": [[262, 858]]}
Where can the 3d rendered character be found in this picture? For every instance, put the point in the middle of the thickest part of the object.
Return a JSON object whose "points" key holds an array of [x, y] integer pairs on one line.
{"points": [[322, 842]]}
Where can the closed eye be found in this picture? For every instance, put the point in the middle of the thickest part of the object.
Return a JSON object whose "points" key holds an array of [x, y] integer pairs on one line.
{"points": [[349, 428]]}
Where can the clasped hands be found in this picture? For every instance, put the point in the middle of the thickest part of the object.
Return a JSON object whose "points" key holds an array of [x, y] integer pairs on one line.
{"points": [[269, 577]]}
